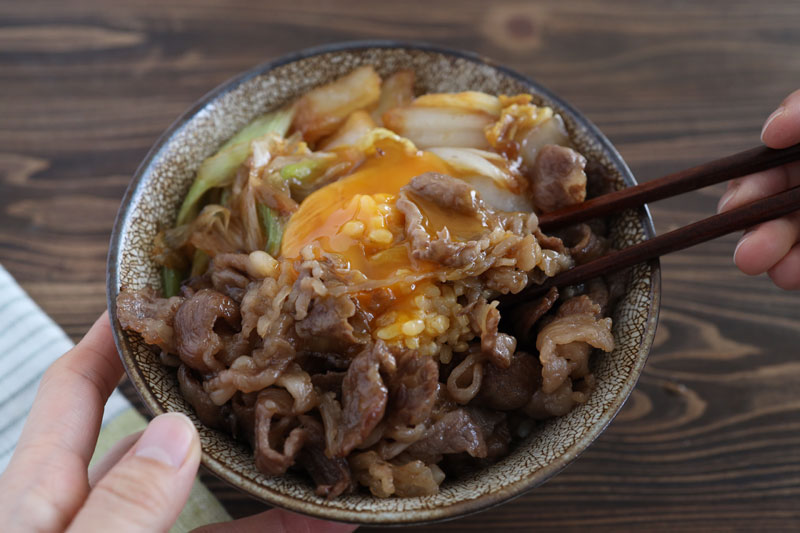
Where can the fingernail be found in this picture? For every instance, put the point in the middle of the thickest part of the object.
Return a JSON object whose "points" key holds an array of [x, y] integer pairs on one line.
{"points": [[167, 439], [727, 197], [740, 243], [775, 114]]}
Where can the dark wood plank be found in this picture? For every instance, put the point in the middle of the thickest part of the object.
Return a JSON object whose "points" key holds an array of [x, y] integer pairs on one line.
{"points": [[709, 440]]}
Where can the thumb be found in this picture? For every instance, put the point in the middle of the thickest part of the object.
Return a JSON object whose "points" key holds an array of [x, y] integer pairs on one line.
{"points": [[147, 488]]}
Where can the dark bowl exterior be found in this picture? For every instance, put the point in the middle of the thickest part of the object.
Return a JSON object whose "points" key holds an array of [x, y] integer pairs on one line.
{"points": [[164, 176]]}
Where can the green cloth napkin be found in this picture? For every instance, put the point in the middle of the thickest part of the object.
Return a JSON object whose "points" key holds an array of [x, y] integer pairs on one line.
{"points": [[201, 509]]}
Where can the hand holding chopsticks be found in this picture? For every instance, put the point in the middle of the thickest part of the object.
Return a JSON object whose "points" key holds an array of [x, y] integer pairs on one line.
{"points": [[744, 163], [774, 246]]}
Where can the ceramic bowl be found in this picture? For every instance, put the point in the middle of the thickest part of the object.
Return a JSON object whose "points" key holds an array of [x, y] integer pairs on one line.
{"points": [[156, 191]]}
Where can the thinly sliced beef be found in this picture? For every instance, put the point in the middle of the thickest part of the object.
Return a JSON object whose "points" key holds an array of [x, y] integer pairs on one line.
{"points": [[455, 432], [447, 223], [492, 425], [364, 398], [565, 343], [415, 478], [331, 474], [582, 304], [450, 194], [526, 315], [298, 383], [207, 411], [235, 346], [273, 431], [545, 405], [441, 249], [243, 406], [558, 178], [505, 279], [257, 302], [384, 479], [196, 338], [550, 242], [152, 317], [252, 373], [321, 362], [577, 356], [315, 279], [446, 252], [597, 290], [196, 283], [413, 390], [329, 382], [446, 191], [584, 244], [327, 319], [497, 347], [229, 275], [510, 388]]}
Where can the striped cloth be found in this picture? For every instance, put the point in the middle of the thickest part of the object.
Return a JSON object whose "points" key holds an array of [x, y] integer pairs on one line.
{"points": [[29, 342]]}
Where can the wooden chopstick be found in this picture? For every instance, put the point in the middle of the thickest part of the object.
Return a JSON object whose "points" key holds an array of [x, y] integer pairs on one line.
{"points": [[717, 171], [710, 228]]}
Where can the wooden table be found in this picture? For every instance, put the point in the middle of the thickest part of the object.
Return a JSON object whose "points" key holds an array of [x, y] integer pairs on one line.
{"points": [[709, 440]]}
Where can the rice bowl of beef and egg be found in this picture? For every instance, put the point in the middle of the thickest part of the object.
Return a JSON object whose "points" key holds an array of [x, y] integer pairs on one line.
{"points": [[371, 335]]}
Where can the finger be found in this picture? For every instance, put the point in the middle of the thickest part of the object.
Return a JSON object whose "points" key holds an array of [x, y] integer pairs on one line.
{"points": [[759, 185], [761, 249], [101, 468], [46, 481], [146, 490], [782, 128], [786, 273], [277, 521]]}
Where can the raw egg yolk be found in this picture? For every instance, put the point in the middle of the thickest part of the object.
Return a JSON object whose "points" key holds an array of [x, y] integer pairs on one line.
{"points": [[356, 217]]}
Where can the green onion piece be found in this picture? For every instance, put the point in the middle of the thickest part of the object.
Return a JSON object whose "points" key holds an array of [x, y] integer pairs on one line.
{"points": [[219, 169], [223, 198], [172, 281], [200, 262], [273, 229], [274, 122], [301, 170]]}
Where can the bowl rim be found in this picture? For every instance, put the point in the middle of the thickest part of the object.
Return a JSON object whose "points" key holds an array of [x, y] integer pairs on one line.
{"points": [[386, 518]]}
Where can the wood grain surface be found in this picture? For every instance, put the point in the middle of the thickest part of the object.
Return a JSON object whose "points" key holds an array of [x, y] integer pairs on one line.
{"points": [[710, 439]]}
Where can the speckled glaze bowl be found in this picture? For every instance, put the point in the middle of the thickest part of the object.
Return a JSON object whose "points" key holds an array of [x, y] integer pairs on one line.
{"points": [[162, 180]]}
